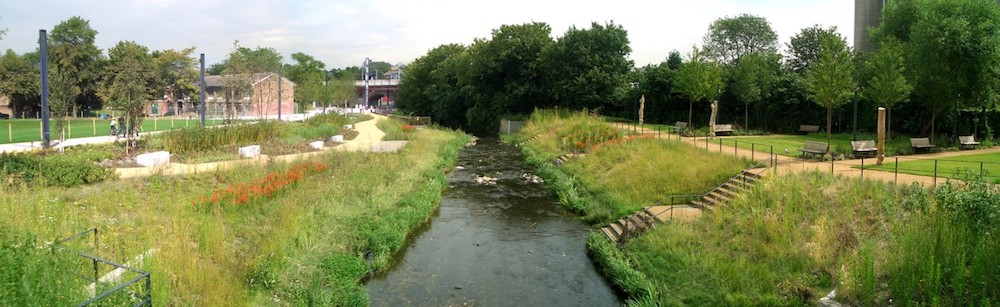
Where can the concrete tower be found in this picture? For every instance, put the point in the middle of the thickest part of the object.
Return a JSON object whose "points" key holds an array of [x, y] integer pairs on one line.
{"points": [[866, 14]]}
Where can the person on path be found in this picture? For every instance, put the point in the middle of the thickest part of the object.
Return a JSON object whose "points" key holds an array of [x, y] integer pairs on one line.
{"points": [[114, 123]]}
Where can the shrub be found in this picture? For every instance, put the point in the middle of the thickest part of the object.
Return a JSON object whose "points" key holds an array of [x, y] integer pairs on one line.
{"points": [[67, 169]]}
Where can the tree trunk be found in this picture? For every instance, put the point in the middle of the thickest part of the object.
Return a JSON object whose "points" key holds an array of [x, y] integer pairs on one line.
{"points": [[690, 111], [746, 115], [829, 125]]}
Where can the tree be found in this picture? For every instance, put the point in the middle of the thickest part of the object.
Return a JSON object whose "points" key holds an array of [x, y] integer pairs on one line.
{"points": [[830, 79], [310, 75], [888, 85], [586, 68], [729, 39], [674, 60], [753, 77], [804, 47], [19, 81], [431, 87], [177, 75], [75, 61], [698, 79], [130, 82], [240, 70]]}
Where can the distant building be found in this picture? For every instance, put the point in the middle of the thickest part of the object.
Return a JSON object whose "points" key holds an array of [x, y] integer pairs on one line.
{"points": [[263, 102]]}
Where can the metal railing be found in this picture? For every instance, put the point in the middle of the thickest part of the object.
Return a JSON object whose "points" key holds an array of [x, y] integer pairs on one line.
{"points": [[943, 168], [139, 299]]}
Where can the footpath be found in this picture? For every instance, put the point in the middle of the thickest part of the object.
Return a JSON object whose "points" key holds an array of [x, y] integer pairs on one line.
{"points": [[369, 139]]}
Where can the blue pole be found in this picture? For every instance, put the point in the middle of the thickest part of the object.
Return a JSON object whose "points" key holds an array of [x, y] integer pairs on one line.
{"points": [[202, 83], [44, 52]]}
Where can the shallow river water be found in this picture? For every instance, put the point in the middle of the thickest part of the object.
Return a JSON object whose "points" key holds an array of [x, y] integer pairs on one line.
{"points": [[507, 243]]}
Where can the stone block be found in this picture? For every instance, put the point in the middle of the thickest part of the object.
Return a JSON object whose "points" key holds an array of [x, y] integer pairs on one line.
{"points": [[348, 127], [337, 138], [153, 158], [316, 145], [250, 151]]}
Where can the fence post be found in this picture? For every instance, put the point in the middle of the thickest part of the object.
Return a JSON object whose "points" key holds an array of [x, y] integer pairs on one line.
{"points": [[95, 126], [862, 168], [980, 169], [935, 172], [752, 151], [10, 133], [720, 144], [895, 179], [736, 147]]}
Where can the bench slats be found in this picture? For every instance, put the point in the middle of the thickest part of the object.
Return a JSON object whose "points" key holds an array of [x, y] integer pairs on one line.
{"points": [[812, 147]]}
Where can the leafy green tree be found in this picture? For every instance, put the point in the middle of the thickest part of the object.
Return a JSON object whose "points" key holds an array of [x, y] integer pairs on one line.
{"points": [[674, 60], [19, 80], [888, 85], [729, 39], [379, 68], [657, 86], [698, 79], [240, 69], [753, 78], [75, 62], [830, 78], [310, 76], [431, 87], [805, 46], [130, 82], [177, 74], [586, 68], [950, 49]]}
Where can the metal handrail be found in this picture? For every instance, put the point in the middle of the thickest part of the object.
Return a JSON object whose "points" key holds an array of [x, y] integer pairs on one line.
{"points": [[147, 300]]}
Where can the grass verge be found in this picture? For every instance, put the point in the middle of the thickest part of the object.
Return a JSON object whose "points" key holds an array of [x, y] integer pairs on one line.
{"points": [[986, 165]]}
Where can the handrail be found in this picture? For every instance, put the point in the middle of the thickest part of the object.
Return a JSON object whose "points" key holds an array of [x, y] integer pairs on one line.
{"points": [[146, 300]]}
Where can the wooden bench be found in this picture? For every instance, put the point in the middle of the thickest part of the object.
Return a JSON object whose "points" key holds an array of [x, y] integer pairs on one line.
{"points": [[967, 141], [816, 148], [681, 125], [723, 128], [864, 147], [921, 143], [807, 129]]}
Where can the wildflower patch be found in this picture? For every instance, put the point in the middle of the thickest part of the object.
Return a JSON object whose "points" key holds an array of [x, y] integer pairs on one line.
{"points": [[254, 191]]}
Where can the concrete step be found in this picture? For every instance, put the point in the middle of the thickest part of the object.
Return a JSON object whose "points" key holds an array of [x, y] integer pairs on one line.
{"points": [[611, 234]]}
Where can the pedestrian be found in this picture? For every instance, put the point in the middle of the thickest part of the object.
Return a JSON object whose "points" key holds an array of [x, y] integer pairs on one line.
{"points": [[114, 124]]}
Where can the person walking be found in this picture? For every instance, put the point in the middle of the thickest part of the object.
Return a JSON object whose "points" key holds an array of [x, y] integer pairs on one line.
{"points": [[114, 124]]}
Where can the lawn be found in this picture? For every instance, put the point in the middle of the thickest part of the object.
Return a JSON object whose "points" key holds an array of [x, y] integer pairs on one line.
{"points": [[28, 130], [305, 243], [986, 164], [841, 143]]}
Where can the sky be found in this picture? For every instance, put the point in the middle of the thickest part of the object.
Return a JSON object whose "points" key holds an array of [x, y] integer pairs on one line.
{"points": [[342, 33]]}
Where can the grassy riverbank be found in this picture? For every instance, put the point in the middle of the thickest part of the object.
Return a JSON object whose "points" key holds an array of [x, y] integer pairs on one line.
{"points": [[617, 174], [304, 244]]}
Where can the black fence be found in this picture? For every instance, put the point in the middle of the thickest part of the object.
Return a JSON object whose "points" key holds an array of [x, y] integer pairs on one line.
{"points": [[935, 169], [135, 291]]}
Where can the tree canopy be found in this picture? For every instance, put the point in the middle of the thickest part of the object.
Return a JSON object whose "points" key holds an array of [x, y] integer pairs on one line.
{"points": [[730, 38], [830, 79], [698, 79]]}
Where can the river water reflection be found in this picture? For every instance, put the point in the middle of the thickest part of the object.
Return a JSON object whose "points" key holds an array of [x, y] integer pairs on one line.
{"points": [[495, 243]]}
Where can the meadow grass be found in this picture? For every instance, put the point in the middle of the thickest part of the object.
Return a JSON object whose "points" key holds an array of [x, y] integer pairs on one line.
{"points": [[619, 177], [306, 245], [393, 129], [28, 130], [793, 239], [986, 164]]}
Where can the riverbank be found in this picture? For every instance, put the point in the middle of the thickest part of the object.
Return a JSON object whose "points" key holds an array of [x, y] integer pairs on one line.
{"points": [[309, 242]]}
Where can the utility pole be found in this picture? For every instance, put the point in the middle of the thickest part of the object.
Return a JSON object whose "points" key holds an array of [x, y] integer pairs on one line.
{"points": [[365, 65], [202, 84], [44, 52]]}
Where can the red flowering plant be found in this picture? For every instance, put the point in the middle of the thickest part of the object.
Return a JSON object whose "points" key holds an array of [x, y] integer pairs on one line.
{"points": [[582, 136], [408, 128], [265, 187]]}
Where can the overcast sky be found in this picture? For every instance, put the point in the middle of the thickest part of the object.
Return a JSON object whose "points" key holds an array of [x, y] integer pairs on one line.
{"points": [[342, 33]]}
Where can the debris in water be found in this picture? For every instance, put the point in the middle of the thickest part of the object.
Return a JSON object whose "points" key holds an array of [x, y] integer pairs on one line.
{"points": [[531, 178], [487, 180]]}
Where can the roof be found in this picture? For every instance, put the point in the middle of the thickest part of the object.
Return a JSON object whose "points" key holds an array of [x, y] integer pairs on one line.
{"points": [[216, 80]]}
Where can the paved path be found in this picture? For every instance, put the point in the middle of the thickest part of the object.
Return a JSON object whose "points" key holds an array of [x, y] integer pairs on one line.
{"points": [[789, 165]]}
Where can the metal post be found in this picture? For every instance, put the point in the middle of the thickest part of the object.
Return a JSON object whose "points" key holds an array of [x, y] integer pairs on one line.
{"points": [[720, 144], [895, 178], [202, 84], [752, 151], [44, 66], [736, 147], [935, 172], [367, 62], [980, 169], [862, 168]]}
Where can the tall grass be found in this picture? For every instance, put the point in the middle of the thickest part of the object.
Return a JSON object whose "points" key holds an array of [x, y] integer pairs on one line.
{"points": [[303, 246], [618, 177], [34, 273], [195, 139]]}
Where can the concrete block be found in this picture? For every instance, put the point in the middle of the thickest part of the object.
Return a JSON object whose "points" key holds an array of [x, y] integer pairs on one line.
{"points": [[250, 151], [153, 158], [348, 127], [337, 138], [316, 145]]}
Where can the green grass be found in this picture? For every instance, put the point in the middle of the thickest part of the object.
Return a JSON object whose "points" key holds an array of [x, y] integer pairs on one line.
{"points": [[793, 239], [28, 130], [304, 246], [841, 143], [619, 177], [954, 167]]}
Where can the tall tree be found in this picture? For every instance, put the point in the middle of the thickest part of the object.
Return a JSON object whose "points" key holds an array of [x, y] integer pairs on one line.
{"points": [[888, 85], [586, 68], [951, 50], [240, 70], [805, 46], [74, 63], [830, 79], [431, 87], [130, 82], [311, 77], [752, 79], [177, 75], [19, 81], [698, 79], [674, 60], [730, 38]]}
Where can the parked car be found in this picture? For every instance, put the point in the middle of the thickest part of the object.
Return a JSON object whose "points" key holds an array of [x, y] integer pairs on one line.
{"points": [[4, 116]]}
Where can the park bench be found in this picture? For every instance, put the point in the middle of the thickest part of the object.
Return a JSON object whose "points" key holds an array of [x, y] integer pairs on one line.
{"points": [[807, 129], [816, 148], [723, 128], [681, 125], [921, 143], [864, 147], [967, 141]]}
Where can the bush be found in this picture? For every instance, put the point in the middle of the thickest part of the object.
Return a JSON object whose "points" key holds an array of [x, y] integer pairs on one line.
{"points": [[67, 169]]}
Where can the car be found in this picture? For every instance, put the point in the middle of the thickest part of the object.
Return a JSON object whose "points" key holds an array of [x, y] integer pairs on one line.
{"points": [[4, 116]]}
